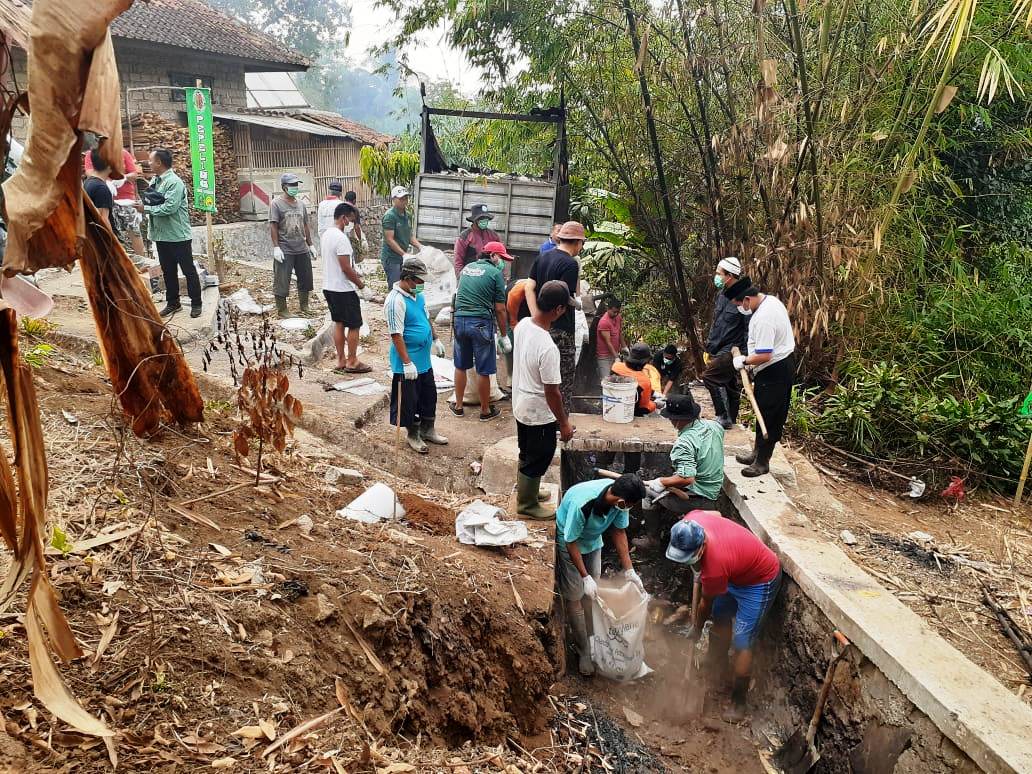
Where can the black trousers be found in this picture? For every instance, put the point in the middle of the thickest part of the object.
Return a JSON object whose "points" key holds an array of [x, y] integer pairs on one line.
{"points": [[174, 256], [418, 399], [537, 447], [721, 379], [773, 389]]}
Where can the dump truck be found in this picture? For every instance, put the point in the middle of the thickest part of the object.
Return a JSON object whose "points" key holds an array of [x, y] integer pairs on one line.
{"points": [[524, 207]]}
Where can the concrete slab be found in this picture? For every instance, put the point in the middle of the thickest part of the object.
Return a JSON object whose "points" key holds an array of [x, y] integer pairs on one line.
{"points": [[498, 468], [644, 434], [985, 720]]}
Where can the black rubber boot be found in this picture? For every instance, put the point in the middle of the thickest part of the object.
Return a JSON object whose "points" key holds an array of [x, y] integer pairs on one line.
{"points": [[281, 306], [748, 458], [762, 463]]}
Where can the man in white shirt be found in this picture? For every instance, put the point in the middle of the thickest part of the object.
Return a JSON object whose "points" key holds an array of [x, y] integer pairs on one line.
{"points": [[537, 402], [327, 206], [771, 344], [341, 283]]}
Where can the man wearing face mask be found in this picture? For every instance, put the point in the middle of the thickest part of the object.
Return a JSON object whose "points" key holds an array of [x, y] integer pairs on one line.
{"points": [[728, 330], [669, 366], [588, 511], [292, 250], [471, 241], [770, 348], [740, 578], [479, 303]]}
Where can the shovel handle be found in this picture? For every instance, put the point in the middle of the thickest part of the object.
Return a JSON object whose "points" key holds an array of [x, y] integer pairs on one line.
{"points": [[612, 474], [822, 697], [747, 386]]}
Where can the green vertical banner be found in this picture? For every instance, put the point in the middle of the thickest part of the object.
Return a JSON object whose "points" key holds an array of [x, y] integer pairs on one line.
{"points": [[202, 150]]}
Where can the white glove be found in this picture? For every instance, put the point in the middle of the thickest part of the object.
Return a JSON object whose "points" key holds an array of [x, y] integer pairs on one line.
{"points": [[277, 254], [657, 395], [367, 293], [411, 373], [437, 348], [503, 344], [365, 243], [634, 578], [739, 362], [655, 487], [590, 587], [577, 303], [311, 252]]}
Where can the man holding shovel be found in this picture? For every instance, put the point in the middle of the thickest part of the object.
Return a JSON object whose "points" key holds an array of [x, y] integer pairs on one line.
{"points": [[588, 511], [771, 345], [739, 578]]}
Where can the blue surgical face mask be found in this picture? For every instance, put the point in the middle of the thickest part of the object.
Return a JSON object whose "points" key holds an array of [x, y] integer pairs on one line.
{"points": [[293, 190], [718, 280], [483, 223], [419, 289], [668, 360], [623, 510]]}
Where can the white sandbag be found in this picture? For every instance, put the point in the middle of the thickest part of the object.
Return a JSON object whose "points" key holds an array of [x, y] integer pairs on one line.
{"points": [[436, 261], [444, 317], [472, 397], [440, 284], [478, 524], [619, 614], [377, 503], [580, 332]]}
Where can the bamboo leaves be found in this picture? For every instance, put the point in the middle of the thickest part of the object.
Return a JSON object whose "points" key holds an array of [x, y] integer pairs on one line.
{"points": [[995, 69]]}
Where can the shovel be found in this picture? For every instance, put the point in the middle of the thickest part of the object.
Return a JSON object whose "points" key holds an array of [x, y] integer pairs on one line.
{"points": [[798, 755], [693, 695]]}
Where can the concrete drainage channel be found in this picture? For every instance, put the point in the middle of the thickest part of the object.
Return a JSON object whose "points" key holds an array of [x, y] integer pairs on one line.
{"points": [[902, 700]]}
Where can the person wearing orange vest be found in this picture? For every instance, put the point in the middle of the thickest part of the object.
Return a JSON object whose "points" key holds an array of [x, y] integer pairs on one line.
{"points": [[633, 367]]}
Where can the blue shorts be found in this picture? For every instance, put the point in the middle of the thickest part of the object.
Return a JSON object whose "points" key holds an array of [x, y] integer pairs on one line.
{"points": [[474, 345], [749, 606]]}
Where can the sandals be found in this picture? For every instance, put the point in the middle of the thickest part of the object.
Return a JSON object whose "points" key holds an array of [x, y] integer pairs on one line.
{"points": [[361, 368]]}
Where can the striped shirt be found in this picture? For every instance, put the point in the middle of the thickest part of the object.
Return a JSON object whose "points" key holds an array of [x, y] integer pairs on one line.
{"points": [[394, 309]]}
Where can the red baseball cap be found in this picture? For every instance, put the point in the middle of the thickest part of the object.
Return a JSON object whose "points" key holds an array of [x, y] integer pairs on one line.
{"points": [[497, 248]]}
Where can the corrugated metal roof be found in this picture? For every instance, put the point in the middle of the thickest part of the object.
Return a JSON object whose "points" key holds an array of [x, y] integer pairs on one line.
{"points": [[281, 122]]}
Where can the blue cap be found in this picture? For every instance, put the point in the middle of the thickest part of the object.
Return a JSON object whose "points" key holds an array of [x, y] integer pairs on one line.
{"points": [[686, 540]]}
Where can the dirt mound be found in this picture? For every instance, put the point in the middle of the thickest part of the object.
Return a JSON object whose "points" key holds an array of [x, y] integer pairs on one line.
{"points": [[217, 621]]}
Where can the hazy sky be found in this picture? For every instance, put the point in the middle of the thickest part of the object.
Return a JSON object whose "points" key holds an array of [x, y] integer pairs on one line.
{"points": [[429, 55]]}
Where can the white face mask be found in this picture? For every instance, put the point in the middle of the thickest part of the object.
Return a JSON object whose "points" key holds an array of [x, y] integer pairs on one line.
{"points": [[743, 310]]}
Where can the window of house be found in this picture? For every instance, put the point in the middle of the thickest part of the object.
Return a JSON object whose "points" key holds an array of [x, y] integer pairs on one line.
{"points": [[185, 79]]}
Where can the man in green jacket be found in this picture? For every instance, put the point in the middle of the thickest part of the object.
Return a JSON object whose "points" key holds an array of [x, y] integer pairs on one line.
{"points": [[170, 232]]}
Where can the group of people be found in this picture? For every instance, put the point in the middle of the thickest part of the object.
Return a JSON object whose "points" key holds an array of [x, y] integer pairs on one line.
{"points": [[166, 207]]}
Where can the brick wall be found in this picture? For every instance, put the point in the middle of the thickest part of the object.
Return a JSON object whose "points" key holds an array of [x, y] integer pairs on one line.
{"points": [[151, 66]]}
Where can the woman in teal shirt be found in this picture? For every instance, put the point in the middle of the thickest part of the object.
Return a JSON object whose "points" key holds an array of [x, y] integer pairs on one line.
{"points": [[588, 511]]}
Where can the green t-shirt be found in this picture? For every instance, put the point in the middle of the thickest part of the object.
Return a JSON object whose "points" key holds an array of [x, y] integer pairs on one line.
{"points": [[699, 452], [480, 287], [401, 224]]}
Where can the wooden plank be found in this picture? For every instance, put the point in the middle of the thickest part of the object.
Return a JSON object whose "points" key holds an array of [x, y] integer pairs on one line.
{"points": [[529, 118]]}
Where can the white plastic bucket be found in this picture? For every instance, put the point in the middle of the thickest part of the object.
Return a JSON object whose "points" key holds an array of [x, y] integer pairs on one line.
{"points": [[619, 394]]}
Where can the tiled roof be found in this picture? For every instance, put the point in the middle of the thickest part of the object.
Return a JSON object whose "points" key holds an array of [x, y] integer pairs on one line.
{"points": [[195, 25], [353, 129]]}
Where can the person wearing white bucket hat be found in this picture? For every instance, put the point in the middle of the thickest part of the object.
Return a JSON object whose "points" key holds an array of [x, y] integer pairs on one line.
{"points": [[729, 329]]}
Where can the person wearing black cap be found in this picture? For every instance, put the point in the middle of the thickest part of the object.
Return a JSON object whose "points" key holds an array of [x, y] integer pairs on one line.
{"points": [[588, 511], [324, 216], [697, 462], [471, 241], [633, 367], [770, 358], [729, 329], [669, 366]]}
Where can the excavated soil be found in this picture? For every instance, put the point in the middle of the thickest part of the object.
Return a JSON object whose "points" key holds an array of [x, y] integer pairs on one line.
{"points": [[196, 634]]}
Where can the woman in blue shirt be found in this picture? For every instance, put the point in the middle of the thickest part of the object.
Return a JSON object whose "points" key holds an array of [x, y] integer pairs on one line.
{"points": [[587, 512]]}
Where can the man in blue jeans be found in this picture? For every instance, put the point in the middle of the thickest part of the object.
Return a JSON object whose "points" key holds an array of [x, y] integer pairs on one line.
{"points": [[479, 302], [740, 578]]}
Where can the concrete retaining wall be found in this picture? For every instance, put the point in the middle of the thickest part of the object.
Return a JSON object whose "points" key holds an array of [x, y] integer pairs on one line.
{"points": [[248, 241]]}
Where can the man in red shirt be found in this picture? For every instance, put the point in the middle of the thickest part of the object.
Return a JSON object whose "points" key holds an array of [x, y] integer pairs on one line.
{"points": [[609, 338], [123, 214], [740, 578]]}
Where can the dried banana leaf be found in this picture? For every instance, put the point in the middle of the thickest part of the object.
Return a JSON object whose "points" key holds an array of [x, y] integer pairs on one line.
{"points": [[22, 521], [73, 86], [151, 377]]}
